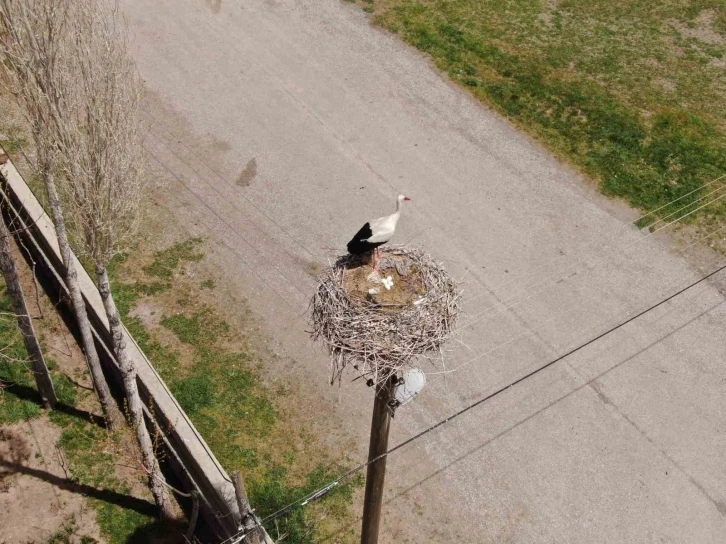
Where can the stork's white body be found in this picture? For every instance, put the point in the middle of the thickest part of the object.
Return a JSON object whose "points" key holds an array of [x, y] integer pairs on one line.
{"points": [[376, 232], [383, 228]]}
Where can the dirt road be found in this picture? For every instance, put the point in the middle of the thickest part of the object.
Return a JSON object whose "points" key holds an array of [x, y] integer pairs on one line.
{"points": [[278, 127]]}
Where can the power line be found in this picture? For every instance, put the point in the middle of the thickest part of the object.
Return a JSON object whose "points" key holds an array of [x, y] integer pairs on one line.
{"points": [[578, 249], [220, 218], [531, 329], [324, 490], [615, 248], [505, 304], [255, 248], [224, 179], [486, 313], [557, 316]]}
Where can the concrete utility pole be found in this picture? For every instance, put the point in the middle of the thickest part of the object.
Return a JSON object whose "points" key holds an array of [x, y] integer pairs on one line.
{"points": [[376, 474], [246, 517], [25, 323]]}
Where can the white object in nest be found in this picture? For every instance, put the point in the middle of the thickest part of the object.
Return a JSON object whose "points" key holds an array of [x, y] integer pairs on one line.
{"points": [[373, 291], [419, 301], [387, 282], [413, 382]]}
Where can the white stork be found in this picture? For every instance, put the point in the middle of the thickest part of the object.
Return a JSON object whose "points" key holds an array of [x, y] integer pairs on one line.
{"points": [[376, 233]]}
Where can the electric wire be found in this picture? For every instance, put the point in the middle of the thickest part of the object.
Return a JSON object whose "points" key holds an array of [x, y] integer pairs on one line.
{"points": [[227, 200], [325, 489], [618, 247], [625, 227], [489, 312], [232, 249], [224, 179], [321, 492], [486, 313], [533, 328]]}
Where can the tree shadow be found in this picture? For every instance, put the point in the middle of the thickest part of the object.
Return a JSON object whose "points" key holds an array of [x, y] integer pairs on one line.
{"points": [[159, 532], [25, 392], [124, 501]]}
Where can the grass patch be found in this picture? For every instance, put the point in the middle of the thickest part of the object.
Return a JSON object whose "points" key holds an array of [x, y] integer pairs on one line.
{"points": [[91, 453], [90, 450], [201, 328], [168, 260], [208, 284], [68, 534], [15, 372], [625, 91], [215, 377], [223, 394], [14, 141]]}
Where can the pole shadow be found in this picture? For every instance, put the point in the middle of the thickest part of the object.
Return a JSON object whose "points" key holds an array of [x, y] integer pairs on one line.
{"points": [[25, 392]]}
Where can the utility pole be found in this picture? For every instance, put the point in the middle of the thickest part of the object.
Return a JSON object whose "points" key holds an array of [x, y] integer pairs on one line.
{"points": [[25, 322], [383, 407], [247, 519]]}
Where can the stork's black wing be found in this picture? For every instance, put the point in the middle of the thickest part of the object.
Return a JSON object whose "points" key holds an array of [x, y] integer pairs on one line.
{"points": [[358, 244]]}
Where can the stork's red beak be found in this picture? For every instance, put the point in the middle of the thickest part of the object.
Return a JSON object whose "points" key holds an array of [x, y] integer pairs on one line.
{"points": [[406, 199]]}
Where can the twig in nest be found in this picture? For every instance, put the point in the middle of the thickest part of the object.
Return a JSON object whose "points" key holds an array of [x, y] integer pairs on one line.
{"points": [[380, 340]]}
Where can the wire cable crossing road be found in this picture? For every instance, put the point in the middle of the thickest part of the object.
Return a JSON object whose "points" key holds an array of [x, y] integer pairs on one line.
{"points": [[338, 117], [325, 489]]}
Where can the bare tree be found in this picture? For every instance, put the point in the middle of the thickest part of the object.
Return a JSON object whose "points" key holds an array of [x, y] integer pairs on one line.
{"points": [[36, 46], [25, 322], [103, 185]]}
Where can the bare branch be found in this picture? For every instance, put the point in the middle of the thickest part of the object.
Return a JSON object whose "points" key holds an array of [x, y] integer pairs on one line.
{"points": [[103, 184]]}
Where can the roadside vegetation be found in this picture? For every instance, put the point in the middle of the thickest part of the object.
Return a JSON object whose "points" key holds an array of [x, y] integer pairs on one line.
{"points": [[632, 93], [213, 369], [215, 374], [92, 453]]}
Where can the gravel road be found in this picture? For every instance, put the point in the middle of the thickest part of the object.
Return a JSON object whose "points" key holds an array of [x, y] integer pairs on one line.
{"points": [[278, 127]]}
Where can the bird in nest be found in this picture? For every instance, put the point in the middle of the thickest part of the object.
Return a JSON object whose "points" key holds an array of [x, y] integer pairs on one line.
{"points": [[375, 233]]}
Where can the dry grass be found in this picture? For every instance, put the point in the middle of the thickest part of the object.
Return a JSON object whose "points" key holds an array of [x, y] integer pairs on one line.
{"points": [[408, 284], [379, 334]]}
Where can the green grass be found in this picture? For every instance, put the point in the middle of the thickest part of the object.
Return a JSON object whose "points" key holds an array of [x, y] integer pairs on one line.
{"points": [[208, 284], [87, 447], [13, 369], [201, 328], [16, 376], [221, 391], [91, 452], [68, 534], [15, 141], [223, 394], [621, 89], [168, 260]]}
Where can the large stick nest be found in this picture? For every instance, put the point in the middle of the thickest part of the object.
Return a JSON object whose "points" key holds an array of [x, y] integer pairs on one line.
{"points": [[378, 334]]}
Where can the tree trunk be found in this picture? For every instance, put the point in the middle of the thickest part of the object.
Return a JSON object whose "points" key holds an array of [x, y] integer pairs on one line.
{"points": [[110, 411], [25, 323], [135, 411]]}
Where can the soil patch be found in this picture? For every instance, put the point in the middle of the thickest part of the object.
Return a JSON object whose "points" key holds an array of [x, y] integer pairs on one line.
{"points": [[35, 508]]}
